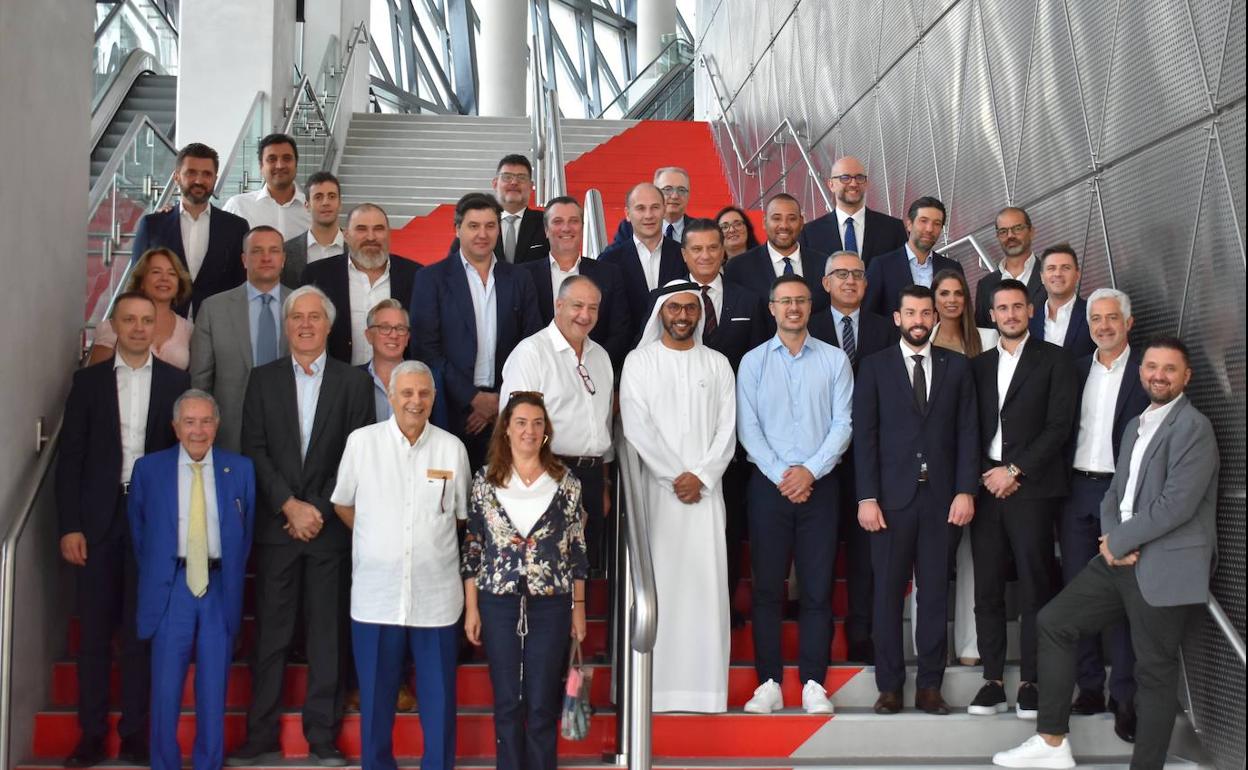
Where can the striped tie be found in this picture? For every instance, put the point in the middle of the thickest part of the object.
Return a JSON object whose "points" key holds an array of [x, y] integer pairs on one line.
{"points": [[848, 343]]}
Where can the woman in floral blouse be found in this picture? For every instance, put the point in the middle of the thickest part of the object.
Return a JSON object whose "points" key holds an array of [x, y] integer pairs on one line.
{"points": [[524, 569]]}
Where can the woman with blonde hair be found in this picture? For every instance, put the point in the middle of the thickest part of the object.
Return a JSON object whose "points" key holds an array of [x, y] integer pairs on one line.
{"points": [[160, 276]]}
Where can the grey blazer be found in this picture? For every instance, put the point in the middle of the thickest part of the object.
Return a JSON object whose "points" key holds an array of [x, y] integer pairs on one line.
{"points": [[1174, 526], [296, 259], [221, 357]]}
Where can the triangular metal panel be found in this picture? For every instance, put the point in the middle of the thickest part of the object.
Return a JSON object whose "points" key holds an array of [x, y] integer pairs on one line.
{"points": [[1008, 30], [897, 108], [1092, 32], [1209, 17], [1231, 82], [1231, 132], [898, 30], [814, 36], [922, 174], [1093, 251], [944, 55]]}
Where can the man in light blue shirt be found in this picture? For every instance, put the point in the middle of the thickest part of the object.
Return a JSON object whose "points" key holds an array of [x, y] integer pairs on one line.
{"points": [[794, 400]]}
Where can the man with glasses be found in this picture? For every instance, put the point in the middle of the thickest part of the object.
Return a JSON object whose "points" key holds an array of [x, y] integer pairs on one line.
{"points": [[794, 398], [914, 263], [521, 236], [575, 377], [1014, 233], [851, 226], [673, 183]]}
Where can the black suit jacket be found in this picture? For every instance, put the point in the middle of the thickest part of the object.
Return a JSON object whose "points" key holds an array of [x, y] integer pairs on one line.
{"points": [[444, 327], [874, 332], [624, 232], [1078, 341], [754, 271], [1130, 402], [623, 255], [893, 439], [883, 234], [889, 273], [88, 471], [614, 329], [1036, 419], [222, 267], [271, 439], [330, 276], [531, 242], [986, 285]]}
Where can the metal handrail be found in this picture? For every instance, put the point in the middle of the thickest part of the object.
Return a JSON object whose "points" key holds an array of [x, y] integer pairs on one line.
{"points": [[556, 182], [105, 180], [594, 240], [643, 73], [1227, 628], [256, 104], [346, 70], [303, 93], [705, 62], [984, 261], [138, 63]]}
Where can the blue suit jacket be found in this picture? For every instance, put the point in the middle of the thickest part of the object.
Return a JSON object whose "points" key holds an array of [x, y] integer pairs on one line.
{"points": [[889, 273], [892, 438], [222, 267], [883, 234], [1078, 342], [153, 511], [623, 255], [754, 271], [1130, 402], [444, 327], [614, 330]]}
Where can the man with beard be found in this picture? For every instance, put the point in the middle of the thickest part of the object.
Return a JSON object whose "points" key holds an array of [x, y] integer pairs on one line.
{"points": [[782, 254], [916, 453], [678, 409], [1156, 556], [914, 263], [1014, 233], [851, 226], [794, 398], [279, 203], [207, 239], [324, 239], [358, 280], [1026, 390]]}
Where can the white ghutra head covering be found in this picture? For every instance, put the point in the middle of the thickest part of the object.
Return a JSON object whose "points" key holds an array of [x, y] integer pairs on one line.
{"points": [[653, 331]]}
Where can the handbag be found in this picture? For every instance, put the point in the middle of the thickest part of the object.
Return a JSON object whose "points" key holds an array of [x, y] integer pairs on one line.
{"points": [[574, 722]]}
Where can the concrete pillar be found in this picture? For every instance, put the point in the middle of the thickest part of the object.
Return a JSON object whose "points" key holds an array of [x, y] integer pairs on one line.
{"points": [[655, 18], [502, 48]]}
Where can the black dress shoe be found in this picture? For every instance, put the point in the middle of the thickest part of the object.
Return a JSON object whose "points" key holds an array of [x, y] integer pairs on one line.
{"points": [[862, 652], [88, 752], [929, 701], [1088, 703], [326, 755], [134, 750], [888, 703], [250, 754], [1124, 720]]}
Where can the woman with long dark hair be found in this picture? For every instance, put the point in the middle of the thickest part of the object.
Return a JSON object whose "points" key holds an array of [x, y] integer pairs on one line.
{"points": [[738, 232]]}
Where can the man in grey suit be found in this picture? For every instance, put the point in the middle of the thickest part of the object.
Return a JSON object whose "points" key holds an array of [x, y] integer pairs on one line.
{"points": [[238, 329], [324, 239], [1156, 556]]}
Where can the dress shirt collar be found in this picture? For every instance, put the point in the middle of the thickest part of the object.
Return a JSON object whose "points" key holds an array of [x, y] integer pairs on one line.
{"points": [[120, 363], [576, 266], [185, 459], [716, 283], [253, 292], [643, 249], [351, 268], [1063, 312], [1018, 351], [473, 268], [338, 240], [317, 366], [853, 316], [858, 216], [397, 434], [1115, 365], [925, 351], [1154, 414], [1028, 266], [778, 259], [775, 343], [298, 197], [560, 343], [914, 258], [188, 216]]}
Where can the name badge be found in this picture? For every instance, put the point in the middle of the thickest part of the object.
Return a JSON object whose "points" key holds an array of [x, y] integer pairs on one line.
{"points": [[434, 473]]}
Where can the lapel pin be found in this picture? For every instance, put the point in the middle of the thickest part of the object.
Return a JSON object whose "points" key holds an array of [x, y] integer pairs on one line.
{"points": [[226, 469]]}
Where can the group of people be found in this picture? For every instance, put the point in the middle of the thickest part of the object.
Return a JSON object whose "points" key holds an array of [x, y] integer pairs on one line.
{"points": [[405, 452]]}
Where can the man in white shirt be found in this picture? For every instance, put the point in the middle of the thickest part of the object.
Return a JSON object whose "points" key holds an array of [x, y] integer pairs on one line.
{"points": [[851, 226], [1014, 234], [674, 184], [280, 202], [1062, 319], [324, 238], [645, 259], [402, 487], [782, 254]]}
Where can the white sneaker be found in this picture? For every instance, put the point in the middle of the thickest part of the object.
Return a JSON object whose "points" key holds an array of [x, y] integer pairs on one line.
{"points": [[815, 699], [767, 698], [1035, 752]]}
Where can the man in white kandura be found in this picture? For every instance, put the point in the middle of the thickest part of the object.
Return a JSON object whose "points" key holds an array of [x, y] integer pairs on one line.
{"points": [[678, 404]]}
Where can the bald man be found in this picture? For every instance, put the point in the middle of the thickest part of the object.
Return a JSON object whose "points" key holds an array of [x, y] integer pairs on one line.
{"points": [[851, 226], [647, 260]]}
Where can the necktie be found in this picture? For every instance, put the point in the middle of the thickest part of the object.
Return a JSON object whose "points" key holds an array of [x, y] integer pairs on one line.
{"points": [[266, 333], [197, 536], [788, 266], [851, 237], [670, 233], [509, 238], [848, 343], [920, 384], [709, 322]]}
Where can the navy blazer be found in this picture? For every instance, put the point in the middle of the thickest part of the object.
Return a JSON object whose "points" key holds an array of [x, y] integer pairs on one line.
{"points": [[883, 234], [153, 513], [614, 330], [444, 327], [1130, 402], [889, 273], [623, 255], [983, 294], [88, 471], [222, 267], [531, 243], [330, 276], [874, 332], [754, 271], [893, 439], [1078, 341]]}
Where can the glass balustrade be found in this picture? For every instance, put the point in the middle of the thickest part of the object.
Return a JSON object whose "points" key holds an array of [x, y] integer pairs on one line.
{"points": [[126, 26], [678, 54]]}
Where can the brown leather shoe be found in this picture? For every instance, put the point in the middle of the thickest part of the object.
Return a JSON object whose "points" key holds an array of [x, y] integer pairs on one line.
{"points": [[929, 700], [406, 701], [888, 703]]}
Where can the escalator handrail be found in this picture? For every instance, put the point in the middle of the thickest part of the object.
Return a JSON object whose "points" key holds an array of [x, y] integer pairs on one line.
{"points": [[645, 71], [137, 64], [102, 183], [256, 103]]}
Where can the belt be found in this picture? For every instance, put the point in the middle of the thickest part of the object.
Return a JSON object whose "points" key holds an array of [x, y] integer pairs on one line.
{"points": [[212, 563], [1093, 475], [582, 461], [125, 487]]}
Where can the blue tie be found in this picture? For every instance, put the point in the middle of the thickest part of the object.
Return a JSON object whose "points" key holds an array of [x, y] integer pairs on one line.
{"points": [[848, 343], [788, 266], [266, 333], [851, 238]]}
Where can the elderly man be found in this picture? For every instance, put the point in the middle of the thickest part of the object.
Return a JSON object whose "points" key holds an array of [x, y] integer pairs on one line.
{"points": [[402, 487], [851, 225], [678, 410], [297, 415], [646, 259], [191, 512]]}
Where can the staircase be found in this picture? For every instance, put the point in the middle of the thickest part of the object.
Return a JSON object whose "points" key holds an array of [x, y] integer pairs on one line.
{"points": [[151, 95]]}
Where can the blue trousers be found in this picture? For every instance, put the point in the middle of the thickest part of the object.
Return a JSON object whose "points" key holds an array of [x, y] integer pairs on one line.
{"points": [[379, 651], [1079, 534], [526, 709], [199, 625]]}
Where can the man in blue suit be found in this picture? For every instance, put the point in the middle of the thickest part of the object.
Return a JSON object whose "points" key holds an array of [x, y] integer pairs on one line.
{"points": [[914, 264], [916, 452], [191, 512], [468, 313], [1062, 319], [647, 259], [208, 240], [782, 254]]}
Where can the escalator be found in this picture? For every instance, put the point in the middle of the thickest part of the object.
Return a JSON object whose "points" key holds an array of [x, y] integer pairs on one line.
{"points": [[150, 94]]}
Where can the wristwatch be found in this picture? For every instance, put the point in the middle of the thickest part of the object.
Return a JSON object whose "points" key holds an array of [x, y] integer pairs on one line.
{"points": [[1013, 470]]}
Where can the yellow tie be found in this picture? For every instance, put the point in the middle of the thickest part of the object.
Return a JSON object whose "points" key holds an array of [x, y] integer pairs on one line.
{"points": [[197, 536]]}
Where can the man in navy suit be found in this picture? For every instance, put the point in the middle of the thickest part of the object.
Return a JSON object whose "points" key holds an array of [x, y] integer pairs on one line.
{"points": [[782, 254], [851, 226], [673, 182], [916, 446], [468, 313], [915, 263], [1062, 319], [117, 411], [647, 259], [208, 240], [564, 231], [191, 512], [859, 333], [367, 274]]}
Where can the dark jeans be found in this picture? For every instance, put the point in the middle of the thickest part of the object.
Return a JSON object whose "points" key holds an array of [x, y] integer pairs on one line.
{"points": [[805, 533], [525, 673], [1102, 596]]}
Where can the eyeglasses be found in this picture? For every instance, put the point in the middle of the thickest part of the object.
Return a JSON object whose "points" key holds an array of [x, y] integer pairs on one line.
{"points": [[386, 329], [1018, 229], [845, 275], [791, 301], [732, 224], [847, 178], [534, 394], [585, 379], [509, 177], [670, 190]]}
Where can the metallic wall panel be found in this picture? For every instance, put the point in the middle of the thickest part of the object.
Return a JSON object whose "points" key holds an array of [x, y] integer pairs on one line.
{"points": [[1007, 30], [1231, 131], [1091, 28], [1231, 83]]}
